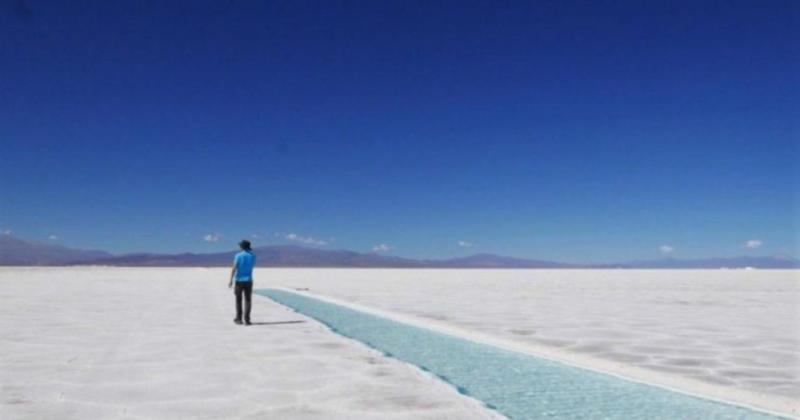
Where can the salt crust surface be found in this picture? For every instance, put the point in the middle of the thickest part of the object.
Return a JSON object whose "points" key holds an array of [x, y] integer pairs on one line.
{"points": [[139, 343]]}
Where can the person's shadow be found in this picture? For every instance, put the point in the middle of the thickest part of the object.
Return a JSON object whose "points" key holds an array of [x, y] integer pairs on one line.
{"points": [[277, 322]]}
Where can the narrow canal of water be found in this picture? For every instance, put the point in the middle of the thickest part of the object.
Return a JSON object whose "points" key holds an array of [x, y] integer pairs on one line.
{"points": [[517, 385]]}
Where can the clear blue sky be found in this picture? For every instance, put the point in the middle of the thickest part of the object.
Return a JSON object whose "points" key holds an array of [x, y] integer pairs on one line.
{"points": [[573, 131]]}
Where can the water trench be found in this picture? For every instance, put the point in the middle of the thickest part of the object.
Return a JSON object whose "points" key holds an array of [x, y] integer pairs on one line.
{"points": [[518, 385]]}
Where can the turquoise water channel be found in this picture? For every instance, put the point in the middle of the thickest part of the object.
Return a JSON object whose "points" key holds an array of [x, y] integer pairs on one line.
{"points": [[517, 385]]}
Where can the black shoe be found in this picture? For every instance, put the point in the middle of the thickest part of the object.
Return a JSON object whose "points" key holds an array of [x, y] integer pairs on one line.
{"points": [[247, 322], [237, 321]]}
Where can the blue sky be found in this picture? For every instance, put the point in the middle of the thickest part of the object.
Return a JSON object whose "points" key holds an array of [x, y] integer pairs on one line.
{"points": [[573, 131]]}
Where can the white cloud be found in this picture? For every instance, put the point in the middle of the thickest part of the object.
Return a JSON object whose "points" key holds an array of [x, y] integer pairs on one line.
{"points": [[465, 244], [666, 249], [382, 248], [6, 232], [305, 239], [254, 236], [53, 237], [212, 237], [753, 243]]}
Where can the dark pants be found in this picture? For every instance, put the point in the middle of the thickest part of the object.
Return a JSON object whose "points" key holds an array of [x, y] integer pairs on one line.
{"points": [[246, 288]]}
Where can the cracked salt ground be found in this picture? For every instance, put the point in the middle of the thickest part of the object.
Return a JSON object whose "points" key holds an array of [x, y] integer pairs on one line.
{"points": [[82, 343]]}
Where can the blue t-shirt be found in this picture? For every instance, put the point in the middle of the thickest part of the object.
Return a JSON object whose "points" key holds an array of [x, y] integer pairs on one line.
{"points": [[245, 261]]}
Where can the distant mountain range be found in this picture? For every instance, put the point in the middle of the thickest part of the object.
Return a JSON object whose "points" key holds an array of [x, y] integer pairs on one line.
{"points": [[18, 252], [15, 251]]}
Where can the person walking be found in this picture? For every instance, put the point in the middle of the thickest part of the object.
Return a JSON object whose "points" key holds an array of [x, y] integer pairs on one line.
{"points": [[242, 272]]}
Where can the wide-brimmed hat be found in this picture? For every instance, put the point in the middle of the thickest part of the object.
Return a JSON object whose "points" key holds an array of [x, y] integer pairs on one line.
{"points": [[244, 244]]}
